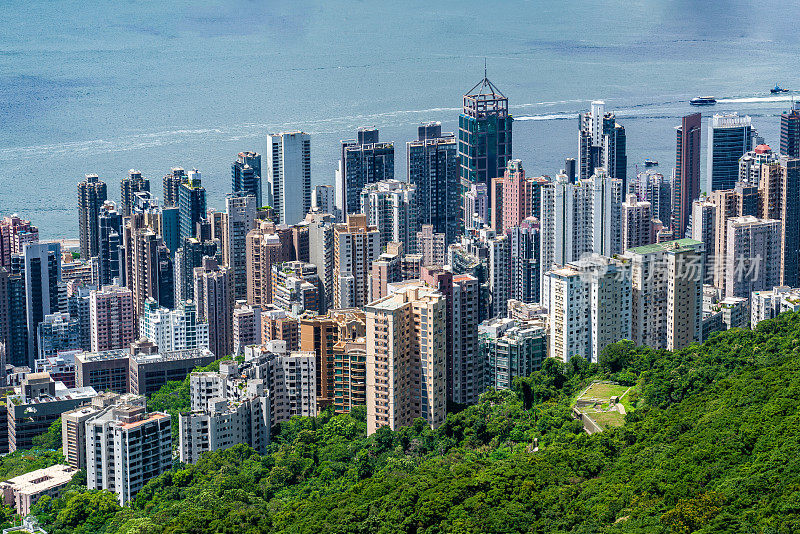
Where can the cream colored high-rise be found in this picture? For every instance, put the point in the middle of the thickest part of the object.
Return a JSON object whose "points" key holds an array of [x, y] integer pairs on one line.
{"points": [[406, 358], [266, 246], [636, 225], [356, 246]]}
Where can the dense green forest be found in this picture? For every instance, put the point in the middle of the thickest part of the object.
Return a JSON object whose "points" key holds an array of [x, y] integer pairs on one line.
{"points": [[712, 446]]}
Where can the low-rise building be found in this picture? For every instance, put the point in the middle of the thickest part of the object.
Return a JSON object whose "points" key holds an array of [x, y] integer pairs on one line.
{"points": [[104, 371], [23, 491], [36, 404], [769, 303], [148, 372]]}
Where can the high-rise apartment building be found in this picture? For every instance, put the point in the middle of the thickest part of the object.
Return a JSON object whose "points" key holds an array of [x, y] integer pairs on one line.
{"points": [[111, 318], [589, 303], [525, 261], [227, 409], [511, 349], [654, 188], [391, 207], [704, 228], [239, 219], [110, 225], [475, 207], [356, 245], [752, 255], [246, 175], [15, 233], [323, 199], [730, 136], [602, 143], [188, 257], [172, 184], [126, 447], [364, 161], [667, 304], [131, 184], [42, 268], [433, 166], [246, 327], [296, 288], [636, 223], [406, 367], [790, 132], [485, 140], [522, 197], [214, 298], [149, 268], [13, 313], [172, 330], [289, 175], [191, 203], [686, 180], [465, 370], [267, 245], [91, 195], [432, 246], [58, 333], [607, 197]]}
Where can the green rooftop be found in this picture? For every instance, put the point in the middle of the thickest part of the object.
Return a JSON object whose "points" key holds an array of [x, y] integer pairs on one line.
{"points": [[678, 244]]}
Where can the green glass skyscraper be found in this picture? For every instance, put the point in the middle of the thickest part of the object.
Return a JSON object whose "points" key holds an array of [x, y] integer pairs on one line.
{"points": [[484, 136]]}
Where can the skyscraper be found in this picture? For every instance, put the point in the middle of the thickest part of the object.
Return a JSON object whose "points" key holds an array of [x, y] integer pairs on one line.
{"points": [[323, 199], [172, 185], [91, 195], [187, 258], [602, 143], [149, 269], [525, 258], [364, 161], [42, 267], [636, 223], [13, 314], [434, 168], [356, 246], [57, 333], [111, 318], [110, 224], [191, 203], [686, 180], [752, 256], [246, 175], [15, 233], [790, 132], [266, 245], [484, 133], [240, 218], [289, 175], [172, 330], [212, 292], [730, 136], [133, 183], [391, 206], [406, 359]]}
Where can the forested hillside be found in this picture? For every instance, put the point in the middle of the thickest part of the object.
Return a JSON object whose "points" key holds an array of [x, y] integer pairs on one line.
{"points": [[713, 446]]}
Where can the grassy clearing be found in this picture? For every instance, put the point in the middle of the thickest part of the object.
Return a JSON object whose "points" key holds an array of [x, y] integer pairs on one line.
{"points": [[602, 391], [608, 419]]}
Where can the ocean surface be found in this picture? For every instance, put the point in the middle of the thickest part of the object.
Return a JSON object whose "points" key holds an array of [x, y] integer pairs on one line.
{"points": [[103, 87]]}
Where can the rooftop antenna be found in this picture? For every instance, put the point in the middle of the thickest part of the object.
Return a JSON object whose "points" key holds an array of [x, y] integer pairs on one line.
{"points": [[485, 77]]}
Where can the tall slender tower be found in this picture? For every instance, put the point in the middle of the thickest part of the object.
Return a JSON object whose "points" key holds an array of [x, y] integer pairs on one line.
{"points": [[289, 175], [484, 146], [730, 136], [602, 143], [172, 184], [42, 273], [133, 183], [212, 292], [686, 181], [240, 218], [191, 204], [91, 195], [790, 131], [246, 175], [364, 161], [433, 167]]}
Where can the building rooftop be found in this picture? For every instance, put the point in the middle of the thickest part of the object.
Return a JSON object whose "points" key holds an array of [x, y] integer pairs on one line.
{"points": [[678, 244], [172, 356], [115, 354], [42, 479]]}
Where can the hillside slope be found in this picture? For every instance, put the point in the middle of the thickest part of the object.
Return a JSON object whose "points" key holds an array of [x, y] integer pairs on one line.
{"points": [[713, 446]]}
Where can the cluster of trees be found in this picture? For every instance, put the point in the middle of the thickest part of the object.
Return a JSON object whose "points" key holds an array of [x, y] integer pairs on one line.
{"points": [[712, 446]]}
